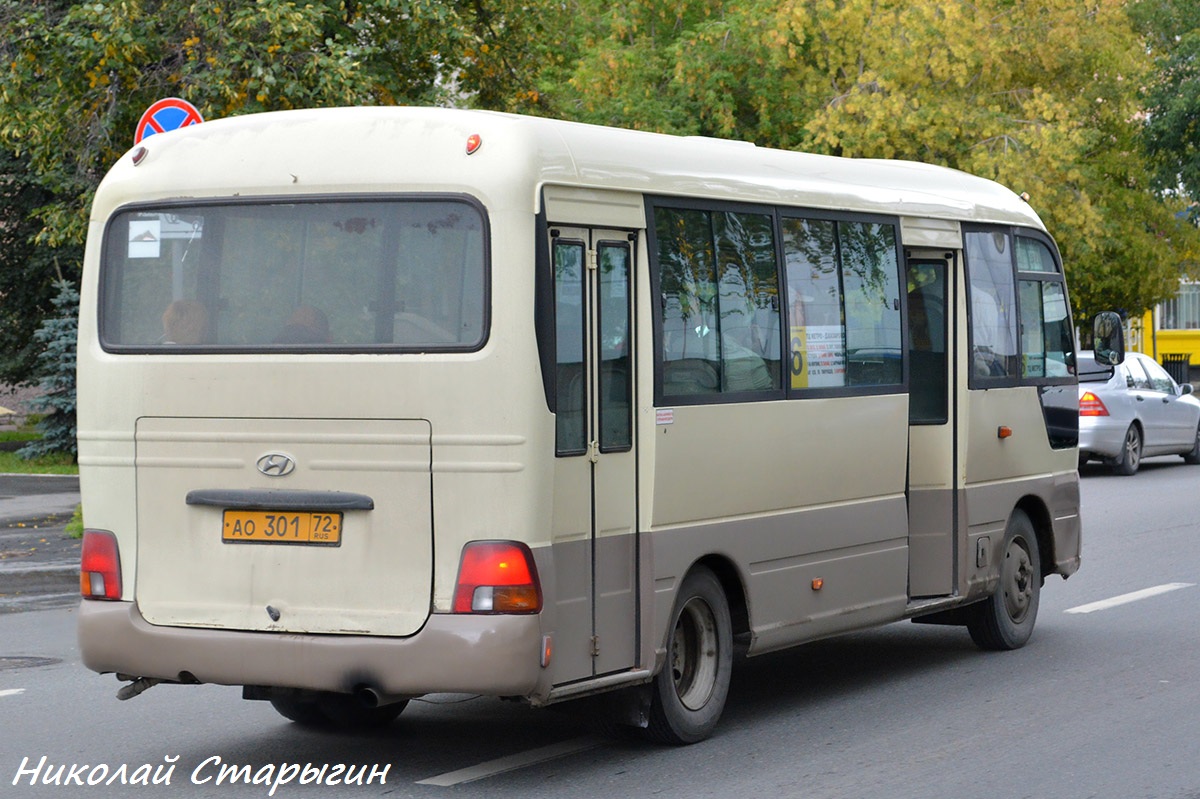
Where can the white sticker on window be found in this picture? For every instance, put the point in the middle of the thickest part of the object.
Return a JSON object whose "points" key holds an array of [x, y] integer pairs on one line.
{"points": [[145, 237]]}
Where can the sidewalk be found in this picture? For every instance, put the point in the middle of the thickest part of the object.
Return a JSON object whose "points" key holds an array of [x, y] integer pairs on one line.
{"points": [[39, 563]]}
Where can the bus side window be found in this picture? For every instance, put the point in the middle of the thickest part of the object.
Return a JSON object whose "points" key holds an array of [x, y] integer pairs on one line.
{"points": [[616, 372], [1047, 337], [818, 340], [687, 280], [571, 377], [993, 324], [871, 292], [747, 301], [929, 371]]}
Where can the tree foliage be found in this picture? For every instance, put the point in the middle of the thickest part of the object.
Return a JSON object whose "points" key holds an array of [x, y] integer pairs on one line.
{"points": [[80, 75], [1041, 95], [1172, 133], [77, 76], [27, 271]]}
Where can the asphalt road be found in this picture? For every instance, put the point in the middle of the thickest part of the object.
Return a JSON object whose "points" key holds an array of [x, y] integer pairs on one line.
{"points": [[39, 564], [1103, 702]]}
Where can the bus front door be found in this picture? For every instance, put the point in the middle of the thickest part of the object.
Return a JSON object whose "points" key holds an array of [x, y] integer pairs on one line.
{"points": [[595, 535], [932, 447]]}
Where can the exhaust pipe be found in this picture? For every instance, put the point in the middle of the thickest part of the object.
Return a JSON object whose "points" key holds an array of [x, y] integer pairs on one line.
{"points": [[369, 697]]}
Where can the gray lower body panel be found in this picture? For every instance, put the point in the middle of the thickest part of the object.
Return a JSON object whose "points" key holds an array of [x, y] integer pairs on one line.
{"points": [[491, 655]]}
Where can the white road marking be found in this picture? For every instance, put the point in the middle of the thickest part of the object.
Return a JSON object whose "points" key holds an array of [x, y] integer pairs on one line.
{"points": [[1145, 593], [11, 691], [512, 762]]}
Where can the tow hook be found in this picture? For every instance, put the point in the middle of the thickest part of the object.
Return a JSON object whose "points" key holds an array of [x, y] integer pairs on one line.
{"points": [[136, 687]]}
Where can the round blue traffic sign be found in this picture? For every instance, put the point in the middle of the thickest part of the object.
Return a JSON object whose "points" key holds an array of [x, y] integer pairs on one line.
{"points": [[170, 113]]}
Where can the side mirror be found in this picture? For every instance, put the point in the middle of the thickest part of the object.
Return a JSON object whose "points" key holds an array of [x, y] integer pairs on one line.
{"points": [[1186, 389], [1108, 338]]}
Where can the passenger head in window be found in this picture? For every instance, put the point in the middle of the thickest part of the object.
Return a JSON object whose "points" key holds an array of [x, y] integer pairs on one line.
{"points": [[185, 322], [306, 325]]}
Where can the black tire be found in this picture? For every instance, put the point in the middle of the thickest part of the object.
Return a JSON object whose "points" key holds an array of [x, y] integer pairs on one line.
{"points": [[347, 713], [1131, 452], [1005, 620], [304, 712], [336, 711], [690, 691], [1193, 457]]}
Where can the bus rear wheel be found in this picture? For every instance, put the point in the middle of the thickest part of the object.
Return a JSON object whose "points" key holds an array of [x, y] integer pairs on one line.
{"points": [[1005, 619], [690, 691]]}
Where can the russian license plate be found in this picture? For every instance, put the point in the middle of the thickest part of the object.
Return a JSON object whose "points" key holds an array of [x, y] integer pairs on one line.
{"points": [[282, 527]]}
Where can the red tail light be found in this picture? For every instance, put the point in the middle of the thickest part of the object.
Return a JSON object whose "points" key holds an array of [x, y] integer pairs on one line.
{"points": [[1090, 405], [100, 566], [497, 577]]}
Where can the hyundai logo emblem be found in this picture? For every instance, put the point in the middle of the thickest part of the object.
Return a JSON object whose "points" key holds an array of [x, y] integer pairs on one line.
{"points": [[276, 464]]}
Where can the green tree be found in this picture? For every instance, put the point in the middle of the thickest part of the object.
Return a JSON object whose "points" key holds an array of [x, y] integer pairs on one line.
{"points": [[56, 366], [27, 271], [1172, 131], [1041, 95], [78, 76]]}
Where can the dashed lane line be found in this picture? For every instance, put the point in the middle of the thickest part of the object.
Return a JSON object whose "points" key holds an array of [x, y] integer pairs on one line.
{"points": [[512, 762], [1124, 599], [11, 692]]}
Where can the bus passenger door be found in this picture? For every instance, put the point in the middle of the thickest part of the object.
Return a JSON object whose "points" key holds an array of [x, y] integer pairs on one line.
{"points": [[932, 419], [595, 541]]}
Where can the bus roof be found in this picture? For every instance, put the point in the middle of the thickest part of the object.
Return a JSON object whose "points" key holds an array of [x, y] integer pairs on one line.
{"points": [[372, 149]]}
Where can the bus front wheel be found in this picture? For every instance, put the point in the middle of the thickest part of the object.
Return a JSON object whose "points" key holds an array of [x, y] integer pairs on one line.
{"points": [[1005, 619], [690, 691]]}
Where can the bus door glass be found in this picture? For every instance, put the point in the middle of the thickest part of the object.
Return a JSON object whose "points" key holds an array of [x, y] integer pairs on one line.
{"points": [[595, 476], [931, 481]]}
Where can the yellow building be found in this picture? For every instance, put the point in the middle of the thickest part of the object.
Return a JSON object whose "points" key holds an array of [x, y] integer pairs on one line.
{"points": [[1170, 332]]}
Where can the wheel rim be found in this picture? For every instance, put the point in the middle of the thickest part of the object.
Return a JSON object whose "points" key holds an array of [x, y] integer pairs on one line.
{"points": [[1133, 447], [1018, 580], [694, 654]]}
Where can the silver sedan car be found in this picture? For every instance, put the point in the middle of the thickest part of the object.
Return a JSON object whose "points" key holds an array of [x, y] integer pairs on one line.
{"points": [[1134, 410]]}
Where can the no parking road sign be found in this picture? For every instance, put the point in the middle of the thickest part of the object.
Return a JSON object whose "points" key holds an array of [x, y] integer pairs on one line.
{"points": [[167, 114]]}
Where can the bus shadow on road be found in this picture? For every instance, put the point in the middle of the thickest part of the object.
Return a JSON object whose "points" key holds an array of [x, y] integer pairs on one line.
{"points": [[814, 675]]}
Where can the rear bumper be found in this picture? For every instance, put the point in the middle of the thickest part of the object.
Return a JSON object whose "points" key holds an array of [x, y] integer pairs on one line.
{"points": [[1103, 438], [491, 655]]}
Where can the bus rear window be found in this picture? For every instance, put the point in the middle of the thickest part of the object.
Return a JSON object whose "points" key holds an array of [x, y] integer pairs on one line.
{"points": [[399, 275]]}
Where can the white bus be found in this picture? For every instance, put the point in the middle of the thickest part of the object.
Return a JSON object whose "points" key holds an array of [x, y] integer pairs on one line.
{"points": [[383, 402]]}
